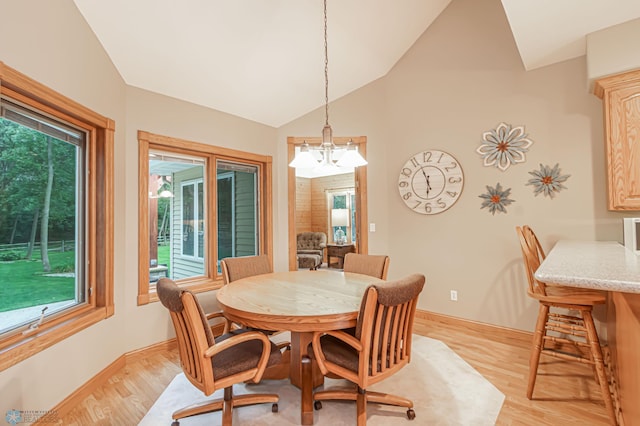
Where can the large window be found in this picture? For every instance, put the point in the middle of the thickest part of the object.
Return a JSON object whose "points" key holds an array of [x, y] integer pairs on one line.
{"points": [[205, 203], [42, 201], [56, 234]]}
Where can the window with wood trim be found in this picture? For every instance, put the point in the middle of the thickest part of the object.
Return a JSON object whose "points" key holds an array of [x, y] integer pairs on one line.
{"points": [[56, 217], [198, 204]]}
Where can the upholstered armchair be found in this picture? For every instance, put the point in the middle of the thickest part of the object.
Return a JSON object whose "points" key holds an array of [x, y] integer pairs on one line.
{"points": [[310, 249]]}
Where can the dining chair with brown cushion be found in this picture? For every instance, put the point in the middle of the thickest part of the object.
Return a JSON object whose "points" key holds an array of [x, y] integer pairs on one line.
{"points": [[216, 363], [380, 347], [565, 328], [236, 268], [367, 264]]}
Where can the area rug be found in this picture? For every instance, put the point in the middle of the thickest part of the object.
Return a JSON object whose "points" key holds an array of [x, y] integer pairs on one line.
{"points": [[445, 391]]}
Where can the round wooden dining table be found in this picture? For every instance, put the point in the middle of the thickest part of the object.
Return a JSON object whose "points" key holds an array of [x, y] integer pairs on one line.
{"points": [[301, 302]]}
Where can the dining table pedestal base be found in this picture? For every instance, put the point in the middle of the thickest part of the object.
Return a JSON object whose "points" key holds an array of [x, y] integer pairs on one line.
{"points": [[302, 364]]}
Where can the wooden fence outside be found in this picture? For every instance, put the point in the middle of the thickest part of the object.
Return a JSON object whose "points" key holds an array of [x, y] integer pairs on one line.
{"points": [[61, 246]]}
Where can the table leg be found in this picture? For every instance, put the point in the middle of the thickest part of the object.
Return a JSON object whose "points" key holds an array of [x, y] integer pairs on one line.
{"points": [[304, 373]]}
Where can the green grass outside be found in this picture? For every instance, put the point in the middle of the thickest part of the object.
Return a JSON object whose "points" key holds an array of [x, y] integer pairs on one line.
{"points": [[23, 284]]}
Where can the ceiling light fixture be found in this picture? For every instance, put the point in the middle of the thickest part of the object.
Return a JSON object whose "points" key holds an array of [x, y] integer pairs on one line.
{"points": [[350, 156]]}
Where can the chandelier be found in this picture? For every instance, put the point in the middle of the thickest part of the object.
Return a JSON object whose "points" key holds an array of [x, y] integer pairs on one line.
{"points": [[327, 155]]}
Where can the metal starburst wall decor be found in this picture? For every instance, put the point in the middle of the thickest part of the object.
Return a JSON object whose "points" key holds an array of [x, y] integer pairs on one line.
{"points": [[504, 146], [495, 199], [547, 180]]}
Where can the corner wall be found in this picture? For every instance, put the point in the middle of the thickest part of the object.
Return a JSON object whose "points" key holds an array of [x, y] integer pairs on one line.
{"points": [[461, 78]]}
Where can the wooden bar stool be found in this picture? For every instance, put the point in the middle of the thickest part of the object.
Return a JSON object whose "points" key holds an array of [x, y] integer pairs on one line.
{"points": [[562, 334]]}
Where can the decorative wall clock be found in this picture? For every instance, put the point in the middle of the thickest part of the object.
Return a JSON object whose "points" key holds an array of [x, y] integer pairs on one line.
{"points": [[430, 182]]}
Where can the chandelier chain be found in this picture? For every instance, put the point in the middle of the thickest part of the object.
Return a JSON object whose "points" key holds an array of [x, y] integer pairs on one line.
{"points": [[326, 68]]}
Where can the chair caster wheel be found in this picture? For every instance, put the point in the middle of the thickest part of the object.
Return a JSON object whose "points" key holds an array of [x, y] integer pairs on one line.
{"points": [[411, 414], [175, 423], [274, 408], [317, 405]]}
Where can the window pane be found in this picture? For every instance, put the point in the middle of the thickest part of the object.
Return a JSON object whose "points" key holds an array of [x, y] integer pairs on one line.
{"points": [[353, 217], [41, 221], [176, 216], [188, 219], [237, 210], [339, 201], [200, 219]]}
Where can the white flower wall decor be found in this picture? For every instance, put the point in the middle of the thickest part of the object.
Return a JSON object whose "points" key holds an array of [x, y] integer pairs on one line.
{"points": [[503, 146]]}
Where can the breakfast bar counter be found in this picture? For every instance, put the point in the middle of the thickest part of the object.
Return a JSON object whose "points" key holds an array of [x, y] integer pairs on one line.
{"points": [[598, 265], [608, 266]]}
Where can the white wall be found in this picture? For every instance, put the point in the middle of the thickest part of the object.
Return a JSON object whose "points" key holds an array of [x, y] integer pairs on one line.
{"points": [[613, 50], [57, 48], [463, 77]]}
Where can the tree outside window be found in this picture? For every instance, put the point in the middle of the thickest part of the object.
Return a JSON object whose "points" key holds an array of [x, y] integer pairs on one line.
{"points": [[41, 219], [56, 217]]}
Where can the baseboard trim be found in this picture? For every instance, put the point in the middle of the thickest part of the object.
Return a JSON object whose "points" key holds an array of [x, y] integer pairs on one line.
{"points": [[74, 399], [495, 331], [422, 317]]}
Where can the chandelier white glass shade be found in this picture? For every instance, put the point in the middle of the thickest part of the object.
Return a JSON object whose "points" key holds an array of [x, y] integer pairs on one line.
{"points": [[164, 188], [330, 154]]}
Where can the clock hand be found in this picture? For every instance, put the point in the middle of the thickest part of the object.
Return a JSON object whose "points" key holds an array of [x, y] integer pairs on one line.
{"points": [[427, 179]]}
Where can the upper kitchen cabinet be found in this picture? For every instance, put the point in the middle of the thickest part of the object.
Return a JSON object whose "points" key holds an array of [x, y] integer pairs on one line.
{"points": [[621, 96]]}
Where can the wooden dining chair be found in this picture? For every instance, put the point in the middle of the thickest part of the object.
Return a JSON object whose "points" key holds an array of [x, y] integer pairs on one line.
{"points": [[380, 348], [565, 328], [216, 363], [236, 268], [367, 264]]}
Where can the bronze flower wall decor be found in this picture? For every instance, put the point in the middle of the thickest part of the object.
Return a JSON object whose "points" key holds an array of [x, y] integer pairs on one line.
{"points": [[495, 199], [504, 146], [547, 180]]}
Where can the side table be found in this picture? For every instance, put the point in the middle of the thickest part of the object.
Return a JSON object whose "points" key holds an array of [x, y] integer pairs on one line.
{"points": [[338, 251]]}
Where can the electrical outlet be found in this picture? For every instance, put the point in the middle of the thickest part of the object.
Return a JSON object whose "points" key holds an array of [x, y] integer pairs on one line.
{"points": [[454, 295]]}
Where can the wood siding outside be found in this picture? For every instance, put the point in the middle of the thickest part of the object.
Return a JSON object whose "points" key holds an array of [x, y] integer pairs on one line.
{"points": [[245, 211]]}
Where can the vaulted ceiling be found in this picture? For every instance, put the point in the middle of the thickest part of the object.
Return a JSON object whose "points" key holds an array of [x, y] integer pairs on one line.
{"points": [[264, 60]]}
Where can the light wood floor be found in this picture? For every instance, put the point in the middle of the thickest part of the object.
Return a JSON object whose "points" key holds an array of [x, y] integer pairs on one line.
{"points": [[565, 393]]}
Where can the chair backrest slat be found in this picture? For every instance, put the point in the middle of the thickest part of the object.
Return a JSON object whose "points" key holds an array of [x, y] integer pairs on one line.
{"points": [[532, 256], [386, 326]]}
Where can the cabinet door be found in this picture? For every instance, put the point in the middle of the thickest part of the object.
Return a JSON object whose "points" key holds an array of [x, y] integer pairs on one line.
{"points": [[621, 97]]}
